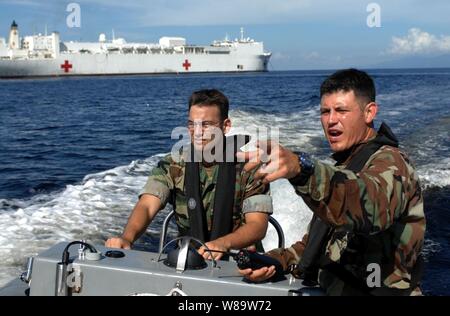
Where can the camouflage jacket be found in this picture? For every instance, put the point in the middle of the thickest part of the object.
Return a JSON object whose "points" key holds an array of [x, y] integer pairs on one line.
{"points": [[383, 203], [166, 182]]}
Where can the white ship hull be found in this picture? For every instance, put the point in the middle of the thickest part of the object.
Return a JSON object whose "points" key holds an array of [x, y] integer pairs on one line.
{"points": [[122, 64]]}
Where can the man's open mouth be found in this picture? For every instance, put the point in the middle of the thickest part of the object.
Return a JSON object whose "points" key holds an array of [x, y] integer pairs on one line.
{"points": [[333, 134]]}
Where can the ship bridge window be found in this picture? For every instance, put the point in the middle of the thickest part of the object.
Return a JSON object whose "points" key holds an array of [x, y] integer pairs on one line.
{"points": [[218, 52], [127, 50], [142, 50]]}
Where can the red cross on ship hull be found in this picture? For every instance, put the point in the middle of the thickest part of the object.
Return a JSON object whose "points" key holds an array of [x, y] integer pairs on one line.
{"points": [[186, 64], [66, 66]]}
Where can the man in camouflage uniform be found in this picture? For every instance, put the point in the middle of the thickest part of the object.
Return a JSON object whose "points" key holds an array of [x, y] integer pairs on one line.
{"points": [[249, 204], [365, 216]]}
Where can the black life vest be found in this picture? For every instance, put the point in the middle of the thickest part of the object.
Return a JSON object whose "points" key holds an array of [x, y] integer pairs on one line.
{"points": [[223, 196], [320, 233]]}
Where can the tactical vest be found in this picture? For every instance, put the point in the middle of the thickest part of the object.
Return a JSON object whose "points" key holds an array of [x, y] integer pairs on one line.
{"points": [[361, 249], [222, 222]]}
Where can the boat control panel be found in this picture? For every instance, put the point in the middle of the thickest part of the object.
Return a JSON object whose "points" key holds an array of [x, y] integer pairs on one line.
{"points": [[61, 270]]}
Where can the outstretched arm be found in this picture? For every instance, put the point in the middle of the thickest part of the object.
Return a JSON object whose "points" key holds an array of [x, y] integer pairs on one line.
{"points": [[143, 213], [367, 202]]}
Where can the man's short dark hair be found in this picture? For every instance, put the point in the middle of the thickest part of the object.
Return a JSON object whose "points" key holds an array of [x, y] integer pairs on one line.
{"points": [[350, 80], [208, 97]]}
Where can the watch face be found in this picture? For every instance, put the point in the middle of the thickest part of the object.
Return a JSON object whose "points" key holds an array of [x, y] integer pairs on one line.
{"points": [[306, 164]]}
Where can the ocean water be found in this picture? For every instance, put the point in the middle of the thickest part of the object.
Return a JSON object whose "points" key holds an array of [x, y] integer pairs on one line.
{"points": [[75, 152]]}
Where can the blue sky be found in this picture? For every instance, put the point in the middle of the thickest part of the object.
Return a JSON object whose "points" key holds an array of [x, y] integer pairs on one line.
{"points": [[301, 34]]}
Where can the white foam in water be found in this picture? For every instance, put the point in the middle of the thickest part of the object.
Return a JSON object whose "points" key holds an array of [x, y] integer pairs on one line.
{"points": [[297, 130], [93, 210], [436, 174], [290, 211]]}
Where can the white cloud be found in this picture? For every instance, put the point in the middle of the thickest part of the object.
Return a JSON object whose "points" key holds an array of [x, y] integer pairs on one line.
{"points": [[420, 42], [312, 55]]}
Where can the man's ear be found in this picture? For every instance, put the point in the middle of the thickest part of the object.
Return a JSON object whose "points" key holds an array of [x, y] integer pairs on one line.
{"points": [[226, 125], [370, 111]]}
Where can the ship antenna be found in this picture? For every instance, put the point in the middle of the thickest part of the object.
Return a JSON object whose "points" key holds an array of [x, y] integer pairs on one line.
{"points": [[242, 34], [45, 29], [113, 35]]}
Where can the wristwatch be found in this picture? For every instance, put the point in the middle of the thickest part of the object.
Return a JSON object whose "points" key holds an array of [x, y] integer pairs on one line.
{"points": [[306, 169]]}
